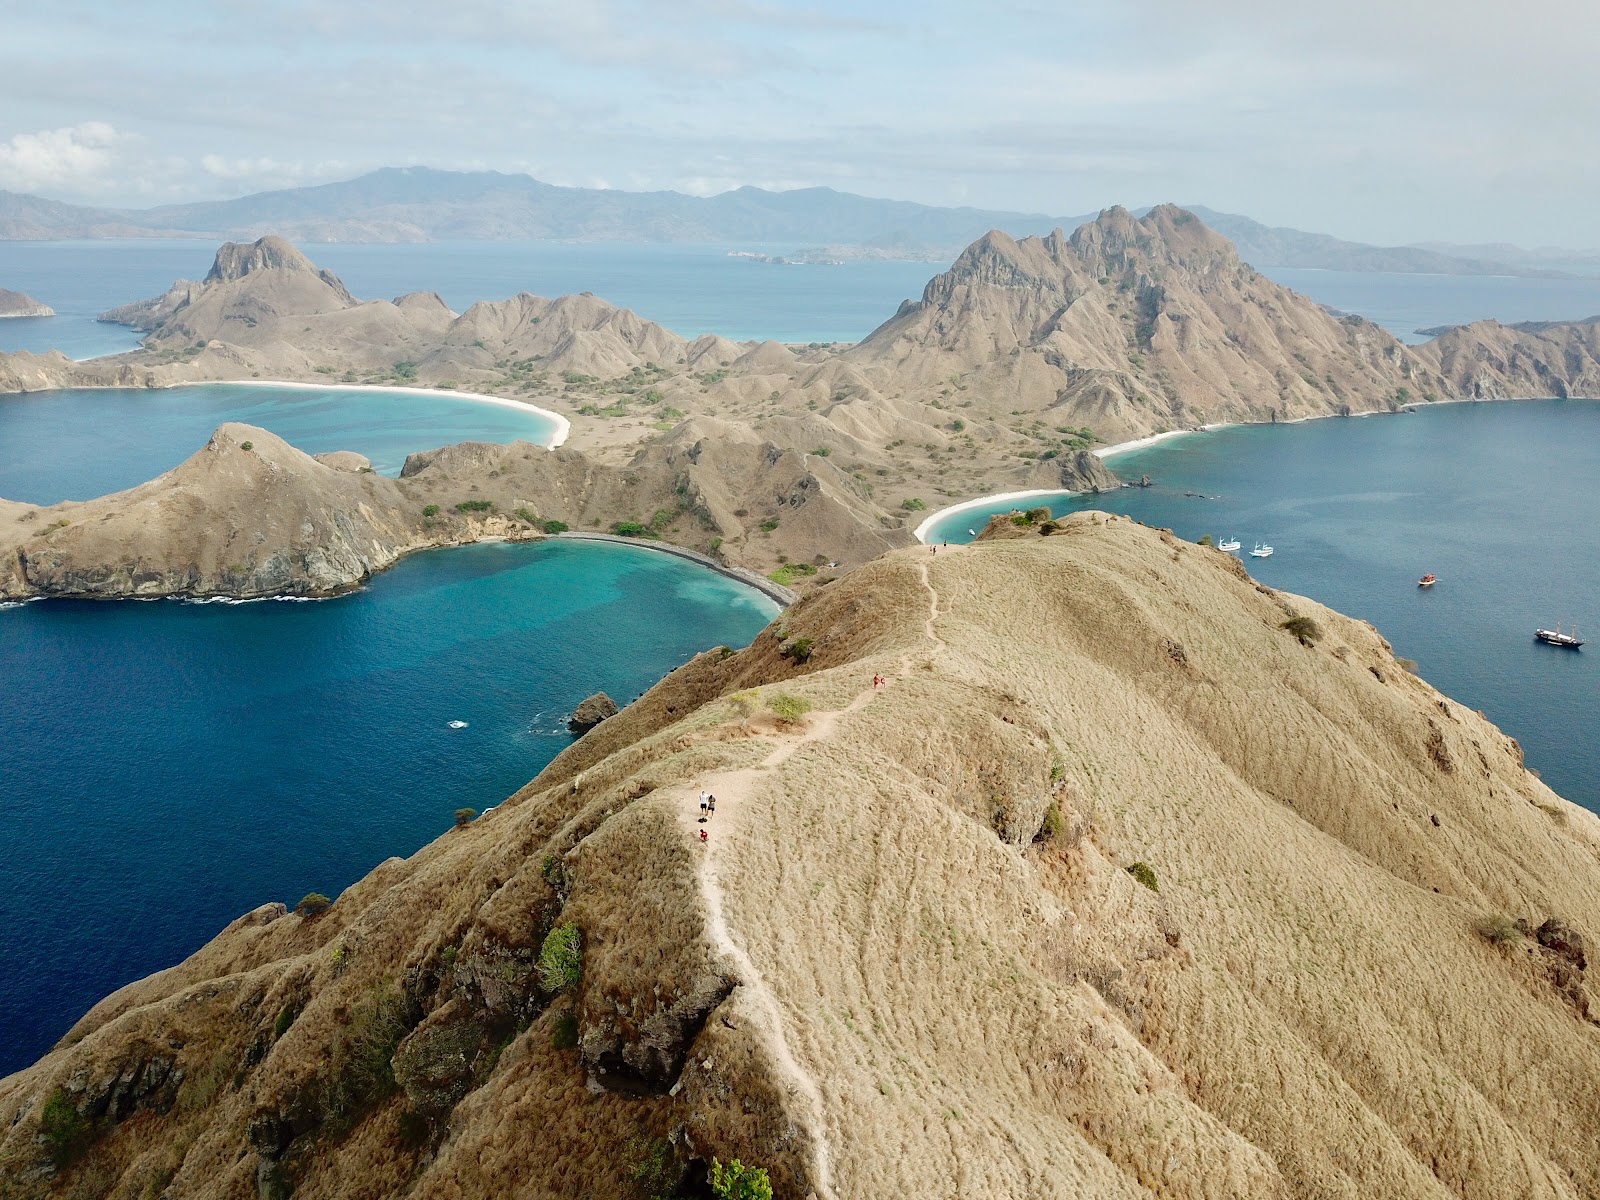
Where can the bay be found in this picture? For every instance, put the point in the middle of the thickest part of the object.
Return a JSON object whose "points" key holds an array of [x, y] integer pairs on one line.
{"points": [[1500, 500], [78, 443], [165, 767]]}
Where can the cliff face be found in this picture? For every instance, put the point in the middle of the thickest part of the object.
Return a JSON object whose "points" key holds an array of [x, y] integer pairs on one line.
{"points": [[1490, 361], [1117, 889]]}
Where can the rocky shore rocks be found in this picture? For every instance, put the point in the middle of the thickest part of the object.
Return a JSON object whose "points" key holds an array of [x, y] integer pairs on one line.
{"points": [[591, 712]]}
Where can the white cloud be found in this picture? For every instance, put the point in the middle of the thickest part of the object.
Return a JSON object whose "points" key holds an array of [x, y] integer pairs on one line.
{"points": [[75, 158], [266, 171]]}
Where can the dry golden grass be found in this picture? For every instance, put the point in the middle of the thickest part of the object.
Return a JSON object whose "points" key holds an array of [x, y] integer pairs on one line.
{"points": [[875, 981]]}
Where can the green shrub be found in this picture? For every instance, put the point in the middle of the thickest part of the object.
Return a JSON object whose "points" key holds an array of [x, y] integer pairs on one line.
{"points": [[798, 650], [788, 707], [1207, 540], [360, 1060], [1053, 823], [1036, 515], [467, 506], [65, 1131], [430, 510], [564, 1031], [286, 1016], [1145, 874], [655, 1168], [554, 527], [1500, 930], [247, 445], [789, 572], [561, 959], [822, 452], [313, 904], [465, 817], [735, 1181], [632, 529], [912, 504], [769, 524], [1303, 628], [525, 515]]}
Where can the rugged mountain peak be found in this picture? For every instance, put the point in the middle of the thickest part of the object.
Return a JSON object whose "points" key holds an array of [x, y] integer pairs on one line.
{"points": [[235, 260], [1167, 234]]}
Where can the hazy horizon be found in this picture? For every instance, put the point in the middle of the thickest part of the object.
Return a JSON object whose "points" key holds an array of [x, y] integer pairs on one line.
{"points": [[1377, 124]]}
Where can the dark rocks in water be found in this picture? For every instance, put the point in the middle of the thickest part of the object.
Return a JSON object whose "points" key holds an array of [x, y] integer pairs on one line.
{"points": [[591, 712]]}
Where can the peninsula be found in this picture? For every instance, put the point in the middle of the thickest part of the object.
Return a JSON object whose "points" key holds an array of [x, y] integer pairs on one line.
{"points": [[1136, 879], [19, 304], [1013, 368]]}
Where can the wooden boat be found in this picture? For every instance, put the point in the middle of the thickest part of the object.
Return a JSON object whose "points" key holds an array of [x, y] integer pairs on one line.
{"points": [[1261, 551], [1427, 581]]}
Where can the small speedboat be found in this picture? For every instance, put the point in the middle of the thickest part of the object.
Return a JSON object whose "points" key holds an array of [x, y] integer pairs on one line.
{"points": [[1229, 545], [1262, 550], [1427, 581], [1554, 637], [455, 724]]}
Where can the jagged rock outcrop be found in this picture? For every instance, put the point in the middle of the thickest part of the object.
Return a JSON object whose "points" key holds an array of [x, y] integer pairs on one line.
{"points": [[1200, 899], [20, 304], [591, 712]]}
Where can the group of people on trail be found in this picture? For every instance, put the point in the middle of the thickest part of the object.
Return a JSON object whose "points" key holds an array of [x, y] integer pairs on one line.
{"points": [[708, 807], [878, 681]]}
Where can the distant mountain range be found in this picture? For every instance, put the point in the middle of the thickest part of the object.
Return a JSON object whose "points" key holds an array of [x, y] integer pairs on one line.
{"points": [[419, 204]]}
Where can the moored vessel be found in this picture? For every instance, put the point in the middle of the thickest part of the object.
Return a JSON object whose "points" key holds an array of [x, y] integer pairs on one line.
{"points": [[1554, 637]]}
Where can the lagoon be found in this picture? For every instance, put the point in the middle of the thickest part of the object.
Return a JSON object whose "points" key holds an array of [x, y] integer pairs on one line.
{"points": [[167, 766]]}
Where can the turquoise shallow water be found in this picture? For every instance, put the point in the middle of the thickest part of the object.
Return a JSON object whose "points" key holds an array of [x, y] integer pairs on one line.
{"points": [[82, 443], [165, 767], [1501, 501]]}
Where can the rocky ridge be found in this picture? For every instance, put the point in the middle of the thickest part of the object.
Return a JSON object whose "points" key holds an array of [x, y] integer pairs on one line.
{"points": [[1118, 889]]}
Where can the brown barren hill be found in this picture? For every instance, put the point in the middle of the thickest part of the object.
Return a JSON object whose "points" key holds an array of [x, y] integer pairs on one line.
{"points": [[1118, 888]]}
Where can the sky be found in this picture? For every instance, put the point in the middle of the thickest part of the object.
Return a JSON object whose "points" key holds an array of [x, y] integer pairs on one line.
{"points": [[1387, 121]]}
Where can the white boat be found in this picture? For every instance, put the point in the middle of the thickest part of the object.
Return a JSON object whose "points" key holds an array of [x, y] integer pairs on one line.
{"points": [[1231, 545], [1554, 637], [456, 724], [1261, 551]]}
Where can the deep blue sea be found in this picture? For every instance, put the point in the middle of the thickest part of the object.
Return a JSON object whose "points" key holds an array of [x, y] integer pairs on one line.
{"points": [[166, 766], [81, 443], [1500, 501]]}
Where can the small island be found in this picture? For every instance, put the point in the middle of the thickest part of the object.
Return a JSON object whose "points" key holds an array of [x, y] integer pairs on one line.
{"points": [[20, 304]]}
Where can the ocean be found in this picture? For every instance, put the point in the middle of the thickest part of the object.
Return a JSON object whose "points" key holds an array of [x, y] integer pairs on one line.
{"points": [[1500, 500]]}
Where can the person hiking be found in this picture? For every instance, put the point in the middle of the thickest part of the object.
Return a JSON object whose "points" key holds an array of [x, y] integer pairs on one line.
{"points": [[711, 805]]}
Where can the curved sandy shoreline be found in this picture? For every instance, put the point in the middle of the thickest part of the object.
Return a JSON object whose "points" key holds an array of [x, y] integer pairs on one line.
{"points": [[563, 427]]}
